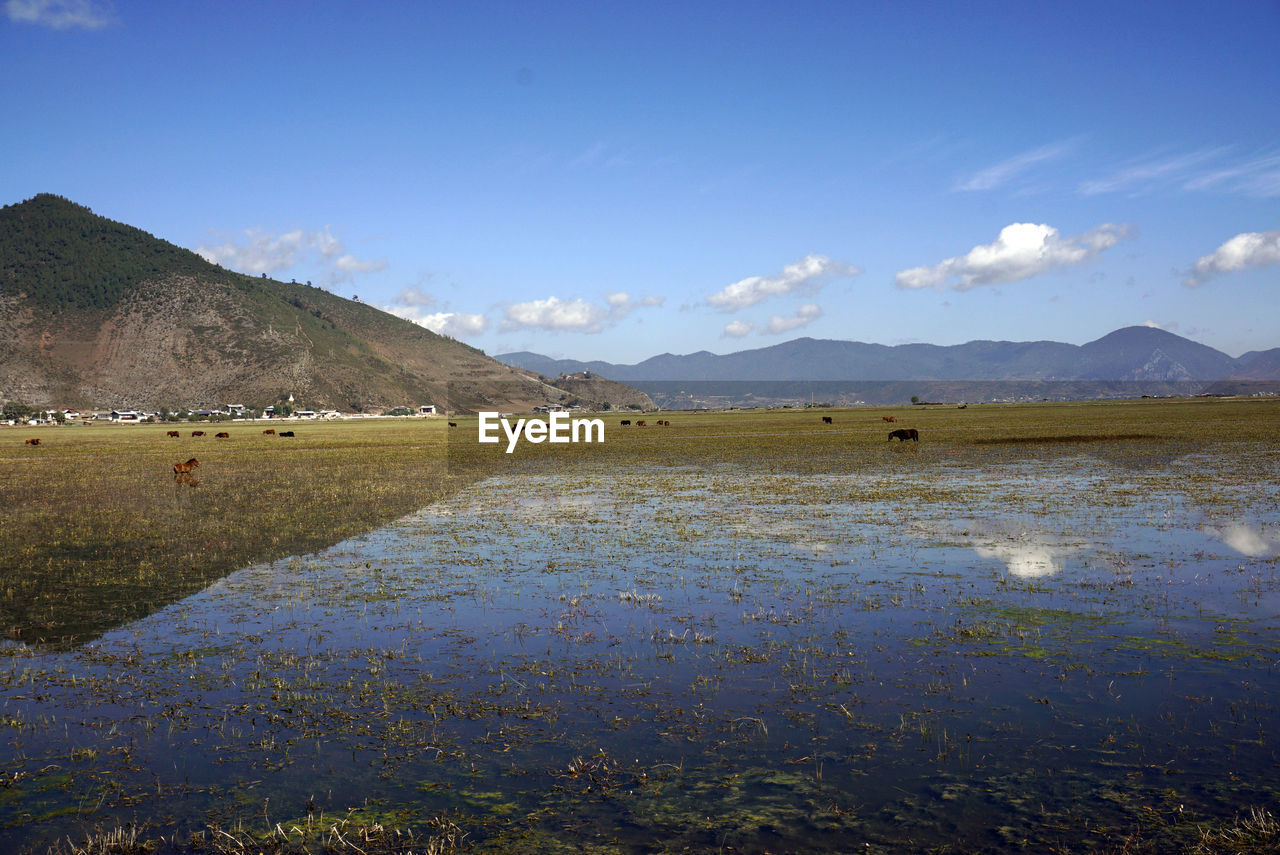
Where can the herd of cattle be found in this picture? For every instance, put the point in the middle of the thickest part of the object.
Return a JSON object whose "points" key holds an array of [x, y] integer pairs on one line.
{"points": [[901, 434], [223, 434]]}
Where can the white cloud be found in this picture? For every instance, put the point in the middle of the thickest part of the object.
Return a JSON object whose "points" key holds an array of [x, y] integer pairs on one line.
{"points": [[1250, 249], [1005, 171], [803, 277], [621, 304], [737, 329], [414, 297], [455, 324], [555, 314], [806, 314], [1257, 177], [1151, 324], [60, 14], [266, 252], [577, 315], [350, 265], [1021, 251], [1142, 175]]}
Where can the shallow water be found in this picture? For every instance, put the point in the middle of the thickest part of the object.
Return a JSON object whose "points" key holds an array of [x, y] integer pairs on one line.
{"points": [[658, 659]]}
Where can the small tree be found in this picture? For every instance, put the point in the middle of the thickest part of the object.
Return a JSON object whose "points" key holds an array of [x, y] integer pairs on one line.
{"points": [[17, 411]]}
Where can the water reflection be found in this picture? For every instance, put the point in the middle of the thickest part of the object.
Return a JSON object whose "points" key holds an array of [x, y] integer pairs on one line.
{"points": [[713, 658], [1025, 553], [1248, 540], [1030, 555]]}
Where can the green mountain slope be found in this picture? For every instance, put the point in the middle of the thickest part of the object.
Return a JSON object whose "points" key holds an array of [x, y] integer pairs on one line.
{"points": [[95, 313]]}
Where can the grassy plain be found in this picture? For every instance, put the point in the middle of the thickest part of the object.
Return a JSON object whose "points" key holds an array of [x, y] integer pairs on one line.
{"points": [[96, 531]]}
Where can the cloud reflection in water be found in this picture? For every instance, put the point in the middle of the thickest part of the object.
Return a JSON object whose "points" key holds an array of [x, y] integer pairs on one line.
{"points": [[1029, 556], [1252, 541]]}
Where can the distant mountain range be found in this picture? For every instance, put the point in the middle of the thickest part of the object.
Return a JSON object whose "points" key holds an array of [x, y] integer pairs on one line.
{"points": [[1130, 361], [96, 313]]}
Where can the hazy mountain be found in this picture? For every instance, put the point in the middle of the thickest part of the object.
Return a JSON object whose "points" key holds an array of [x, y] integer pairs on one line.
{"points": [[1129, 354], [95, 313]]}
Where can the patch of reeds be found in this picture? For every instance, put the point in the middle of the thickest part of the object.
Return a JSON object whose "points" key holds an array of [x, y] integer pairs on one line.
{"points": [[315, 835]]}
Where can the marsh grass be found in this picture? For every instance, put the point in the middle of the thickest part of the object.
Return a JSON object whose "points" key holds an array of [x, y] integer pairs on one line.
{"points": [[97, 531], [352, 834]]}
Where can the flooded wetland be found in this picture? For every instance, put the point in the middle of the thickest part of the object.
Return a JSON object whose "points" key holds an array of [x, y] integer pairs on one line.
{"points": [[1041, 628]]}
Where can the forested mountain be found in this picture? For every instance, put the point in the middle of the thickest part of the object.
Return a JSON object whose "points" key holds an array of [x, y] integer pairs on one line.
{"points": [[63, 256], [95, 313]]}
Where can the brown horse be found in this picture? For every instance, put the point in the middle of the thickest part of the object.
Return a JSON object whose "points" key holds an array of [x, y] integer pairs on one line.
{"points": [[222, 435], [269, 430], [889, 418], [173, 433], [904, 434], [185, 468], [197, 433], [34, 441]]}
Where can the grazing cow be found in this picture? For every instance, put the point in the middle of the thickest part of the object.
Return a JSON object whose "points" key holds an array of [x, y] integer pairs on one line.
{"points": [[666, 423], [826, 420], [222, 435], [33, 441], [269, 430], [641, 423], [173, 433], [904, 434], [889, 418], [626, 422], [197, 433], [286, 433], [185, 468], [453, 424]]}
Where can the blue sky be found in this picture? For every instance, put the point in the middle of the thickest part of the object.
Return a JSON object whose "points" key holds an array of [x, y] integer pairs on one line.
{"points": [[615, 180]]}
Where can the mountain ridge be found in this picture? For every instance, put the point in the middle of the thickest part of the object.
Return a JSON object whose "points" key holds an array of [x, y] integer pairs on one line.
{"points": [[96, 313], [1135, 353]]}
